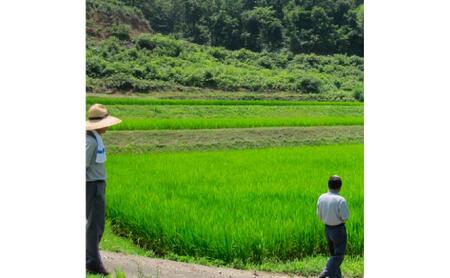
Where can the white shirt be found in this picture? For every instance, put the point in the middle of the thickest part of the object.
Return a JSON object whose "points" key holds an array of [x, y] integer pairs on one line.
{"points": [[332, 208]]}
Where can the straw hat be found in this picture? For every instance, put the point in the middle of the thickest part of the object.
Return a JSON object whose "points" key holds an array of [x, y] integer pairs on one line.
{"points": [[99, 118]]}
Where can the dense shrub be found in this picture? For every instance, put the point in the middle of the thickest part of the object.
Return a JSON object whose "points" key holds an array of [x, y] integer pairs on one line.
{"points": [[167, 46], [144, 41], [107, 48], [282, 58], [95, 66], [358, 93], [141, 85], [360, 96], [92, 84], [124, 82], [310, 85], [218, 52], [121, 31], [209, 80], [160, 45], [119, 81], [245, 55], [265, 62]]}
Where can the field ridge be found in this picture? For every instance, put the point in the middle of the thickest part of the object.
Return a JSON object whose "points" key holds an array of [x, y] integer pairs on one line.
{"points": [[151, 101], [140, 141]]}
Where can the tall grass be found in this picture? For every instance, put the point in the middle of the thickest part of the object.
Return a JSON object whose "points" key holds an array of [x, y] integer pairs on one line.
{"points": [[247, 205], [150, 124]]}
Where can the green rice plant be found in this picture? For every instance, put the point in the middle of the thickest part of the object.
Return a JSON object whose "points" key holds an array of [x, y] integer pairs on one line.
{"points": [[235, 206], [234, 111], [147, 117], [151, 124]]}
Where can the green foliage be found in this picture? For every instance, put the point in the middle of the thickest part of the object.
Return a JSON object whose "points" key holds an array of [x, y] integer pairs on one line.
{"points": [[310, 85], [126, 82], [157, 62], [263, 29], [120, 81], [310, 31], [95, 66], [358, 93], [92, 84], [321, 27], [223, 30], [208, 204], [121, 31], [144, 41], [161, 45], [128, 59]]}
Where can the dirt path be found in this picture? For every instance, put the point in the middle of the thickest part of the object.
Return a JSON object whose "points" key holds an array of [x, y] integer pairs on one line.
{"points": [[143, 267]]}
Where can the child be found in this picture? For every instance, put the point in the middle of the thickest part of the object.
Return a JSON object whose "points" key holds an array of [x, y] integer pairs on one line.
{"points": [[333, 212]]}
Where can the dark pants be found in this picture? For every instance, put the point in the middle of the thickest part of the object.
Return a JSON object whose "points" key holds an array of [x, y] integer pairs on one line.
{"points": [[337, 242], [95, 216]]}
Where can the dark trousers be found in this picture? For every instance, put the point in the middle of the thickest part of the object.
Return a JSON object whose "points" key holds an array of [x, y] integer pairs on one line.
{"points": [[95, 216], [337, 242]]}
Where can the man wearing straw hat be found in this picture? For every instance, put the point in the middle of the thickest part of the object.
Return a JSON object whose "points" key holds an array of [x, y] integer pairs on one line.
{"points": [[97, 124]]}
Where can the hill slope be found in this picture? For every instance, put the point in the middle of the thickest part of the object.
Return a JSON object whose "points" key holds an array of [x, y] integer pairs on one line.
{"points": [[124, 55]]}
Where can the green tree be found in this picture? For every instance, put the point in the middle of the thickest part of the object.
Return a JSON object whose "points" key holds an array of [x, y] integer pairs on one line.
{"points": [[305, 26], [225, 30], [311, 31], [262, 29], [352, 39]]}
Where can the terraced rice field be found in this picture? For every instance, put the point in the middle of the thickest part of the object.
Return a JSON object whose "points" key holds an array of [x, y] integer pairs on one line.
{"points": [[233, 182], [185, 116]]}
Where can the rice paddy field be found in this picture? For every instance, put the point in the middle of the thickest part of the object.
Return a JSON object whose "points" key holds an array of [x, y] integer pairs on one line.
{"points": [[157, 114], [246, 204], [234, 183]]}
